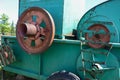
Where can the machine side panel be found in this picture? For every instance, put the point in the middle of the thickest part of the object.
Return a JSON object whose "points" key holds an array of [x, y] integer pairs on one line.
{"points": [[62, 55]]}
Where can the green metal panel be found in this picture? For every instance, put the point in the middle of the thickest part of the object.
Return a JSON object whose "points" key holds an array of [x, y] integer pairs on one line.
{"points": [[54, 7], [56, 57], [66, 13], [107, 14], [98, 65], [62, 55]]}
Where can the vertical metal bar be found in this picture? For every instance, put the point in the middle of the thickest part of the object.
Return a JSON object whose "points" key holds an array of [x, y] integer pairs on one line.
{"points": [[82, 55], [3, 75], [2, 57]]}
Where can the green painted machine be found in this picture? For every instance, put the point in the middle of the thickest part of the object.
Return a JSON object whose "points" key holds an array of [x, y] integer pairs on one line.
{"points": [[53, 44], [99, 29]]}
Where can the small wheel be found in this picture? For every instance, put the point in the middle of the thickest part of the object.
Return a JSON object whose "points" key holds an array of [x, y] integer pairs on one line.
{"points": [[105, 38], [35, 30], [63, 76]]}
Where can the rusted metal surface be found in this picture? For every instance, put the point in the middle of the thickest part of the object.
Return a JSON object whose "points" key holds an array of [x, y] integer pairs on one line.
{"points": [[6, 55], [28, 29], [35, 30], [99, 36]]}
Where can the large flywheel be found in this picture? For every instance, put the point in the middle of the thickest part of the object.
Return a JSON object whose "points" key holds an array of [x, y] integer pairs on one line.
{"points": [[35, 30]]}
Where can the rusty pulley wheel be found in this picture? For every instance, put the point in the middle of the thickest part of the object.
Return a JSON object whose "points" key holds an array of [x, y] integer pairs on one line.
{"points": [[98, 37], [35, 30]]}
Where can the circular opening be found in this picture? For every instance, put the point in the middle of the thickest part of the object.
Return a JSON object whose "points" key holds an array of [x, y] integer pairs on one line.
{"points": [[23, 29]]}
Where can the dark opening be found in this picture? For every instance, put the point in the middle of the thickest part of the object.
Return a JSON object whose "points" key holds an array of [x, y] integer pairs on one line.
{"points": [[97, 36], [23, 29]]}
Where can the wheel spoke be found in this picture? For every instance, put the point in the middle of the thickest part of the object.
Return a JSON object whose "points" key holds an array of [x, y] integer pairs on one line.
{"points": [[28, 41], [28, 19], [38, 42], [46, 30], [39, 20]]}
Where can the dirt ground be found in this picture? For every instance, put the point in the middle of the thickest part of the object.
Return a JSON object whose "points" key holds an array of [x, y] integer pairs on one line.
{"points": [[11, 76]]}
